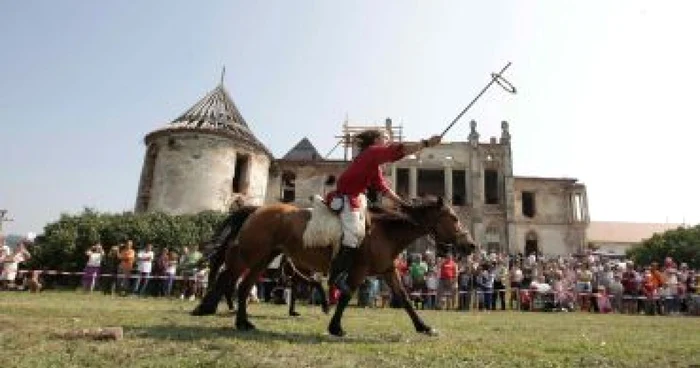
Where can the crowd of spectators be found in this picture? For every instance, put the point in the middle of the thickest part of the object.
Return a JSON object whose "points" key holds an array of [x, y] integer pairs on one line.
{"points": [[492, 281], [480, 281]]}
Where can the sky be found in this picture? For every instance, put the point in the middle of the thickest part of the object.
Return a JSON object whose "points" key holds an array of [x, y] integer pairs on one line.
{"points": [[607, 90]]}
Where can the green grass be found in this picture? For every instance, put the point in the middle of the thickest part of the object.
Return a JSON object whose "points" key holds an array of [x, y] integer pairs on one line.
{"points": [[161, 333]]}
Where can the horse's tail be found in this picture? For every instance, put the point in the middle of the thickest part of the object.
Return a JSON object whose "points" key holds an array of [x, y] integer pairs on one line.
{"points": [[296, 273], [220, 280], [228, 230]]}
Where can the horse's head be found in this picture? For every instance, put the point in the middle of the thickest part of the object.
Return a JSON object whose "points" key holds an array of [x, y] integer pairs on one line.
{"points": [[443, 224]]}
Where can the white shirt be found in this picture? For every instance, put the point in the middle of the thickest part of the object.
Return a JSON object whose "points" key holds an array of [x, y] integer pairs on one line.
{"points": [[517, 275], [541, 287], [94, 259], [145, 261], [431, 282], [172, 267]]}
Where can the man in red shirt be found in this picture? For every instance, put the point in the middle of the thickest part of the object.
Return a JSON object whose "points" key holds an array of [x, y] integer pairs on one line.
{"points": [[448, 281], [362, 173]]}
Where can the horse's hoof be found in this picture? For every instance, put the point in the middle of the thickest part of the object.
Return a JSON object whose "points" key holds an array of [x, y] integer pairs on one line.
{"points": [[336, 331], [245, 326], [294, 314], [201, 312], [429, 331]]}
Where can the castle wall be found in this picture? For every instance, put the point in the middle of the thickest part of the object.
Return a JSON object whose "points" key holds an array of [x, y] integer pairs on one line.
{"points": [[551, 238], [310, 179], [554, 221], [257, 184], [194, 172]]}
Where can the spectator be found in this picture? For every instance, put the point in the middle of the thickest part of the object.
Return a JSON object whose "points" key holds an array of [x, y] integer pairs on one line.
{"points": [[484, 287], [431, 290], [145, 266], [159, 272], [11, 262], [617, 291], [91, 273], [448, 282], [126, 265], [188, 263], [466, 283], [111, 270], [170, 272]]}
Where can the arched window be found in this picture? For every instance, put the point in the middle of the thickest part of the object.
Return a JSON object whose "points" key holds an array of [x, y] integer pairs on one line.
{"points": [[493, 239], [288, 187]]}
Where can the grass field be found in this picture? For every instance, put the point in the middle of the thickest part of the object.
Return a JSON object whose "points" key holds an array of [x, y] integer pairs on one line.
{"points": [[160, 333]]}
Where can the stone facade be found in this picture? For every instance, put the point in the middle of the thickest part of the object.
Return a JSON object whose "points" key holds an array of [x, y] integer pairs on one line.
{"points": [[551, 215], [296, 181], [208, 158], [477, 179]]}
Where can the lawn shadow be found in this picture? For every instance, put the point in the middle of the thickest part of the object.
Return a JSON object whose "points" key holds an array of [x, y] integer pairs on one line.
{"points": [[194, 333]]}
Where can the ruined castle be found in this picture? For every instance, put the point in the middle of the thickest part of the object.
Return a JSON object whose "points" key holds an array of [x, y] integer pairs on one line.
{"points": [[208, 159]]}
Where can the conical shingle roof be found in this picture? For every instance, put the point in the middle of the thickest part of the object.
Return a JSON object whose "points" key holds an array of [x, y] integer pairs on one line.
{"points": [[217, 112], [303, 151]]}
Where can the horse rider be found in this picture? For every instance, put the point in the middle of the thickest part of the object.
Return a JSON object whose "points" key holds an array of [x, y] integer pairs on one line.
{"points": [[362, 173]]}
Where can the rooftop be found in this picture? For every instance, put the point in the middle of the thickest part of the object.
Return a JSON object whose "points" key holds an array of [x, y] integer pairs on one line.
{"points": [[217, 112], [539, 178], [303, 151], [625, 232]]}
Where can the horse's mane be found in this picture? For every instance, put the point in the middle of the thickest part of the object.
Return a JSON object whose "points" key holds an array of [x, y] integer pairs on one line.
{"points": [[390, 217], [411, 213], [233, 222]]}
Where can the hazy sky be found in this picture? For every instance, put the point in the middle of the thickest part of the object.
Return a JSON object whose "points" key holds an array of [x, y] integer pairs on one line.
{"points": [[607, 89]]}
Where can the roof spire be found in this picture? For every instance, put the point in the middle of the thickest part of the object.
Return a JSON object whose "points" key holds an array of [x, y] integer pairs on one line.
{"points": [[223, 72]]}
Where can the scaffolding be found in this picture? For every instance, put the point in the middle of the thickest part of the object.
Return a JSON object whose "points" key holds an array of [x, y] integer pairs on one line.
{"points": [[347, 139], [3, 219]]}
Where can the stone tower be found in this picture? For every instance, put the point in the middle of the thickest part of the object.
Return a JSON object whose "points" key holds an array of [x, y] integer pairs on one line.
{"points": [[206, 159], [492, 204]]}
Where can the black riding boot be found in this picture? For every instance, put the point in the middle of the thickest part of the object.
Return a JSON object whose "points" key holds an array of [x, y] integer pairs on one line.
{"points": [[340, 268]]}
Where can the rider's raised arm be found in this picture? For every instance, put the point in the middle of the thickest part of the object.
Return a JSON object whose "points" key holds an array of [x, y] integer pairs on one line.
{"points": [[411, 148]]}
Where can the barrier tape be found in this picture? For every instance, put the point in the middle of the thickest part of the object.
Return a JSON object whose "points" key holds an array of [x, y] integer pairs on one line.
{"points": [[131, 275], [412, 294]]}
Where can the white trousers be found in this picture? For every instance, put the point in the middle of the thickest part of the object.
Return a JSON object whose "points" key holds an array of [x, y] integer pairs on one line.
{"points": [[353, 222]]}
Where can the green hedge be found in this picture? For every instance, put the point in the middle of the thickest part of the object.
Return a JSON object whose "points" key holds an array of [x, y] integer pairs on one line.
{"points": [[63, 243]]}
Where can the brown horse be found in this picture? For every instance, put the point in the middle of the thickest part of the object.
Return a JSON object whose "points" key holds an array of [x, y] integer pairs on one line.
{"points": [[280, 228], [221, 279], [286, 274]]}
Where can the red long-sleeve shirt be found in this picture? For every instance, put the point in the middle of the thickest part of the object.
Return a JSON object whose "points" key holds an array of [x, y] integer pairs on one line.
{"points": [[365, 171]]}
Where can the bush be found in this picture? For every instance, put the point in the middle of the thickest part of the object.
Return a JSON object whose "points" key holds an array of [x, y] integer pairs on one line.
{"points": [[63, 244], [682, 244]]}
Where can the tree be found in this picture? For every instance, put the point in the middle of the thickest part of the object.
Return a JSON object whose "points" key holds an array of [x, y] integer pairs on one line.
{"points": [[63, 244], [682, 244]]}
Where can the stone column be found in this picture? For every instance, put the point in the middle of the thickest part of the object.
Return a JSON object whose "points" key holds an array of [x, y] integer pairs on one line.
{"points": [[393, 177], [413, 182], [448, 184], [512, 237], [480, 234], [467, 185], [572, 207]]}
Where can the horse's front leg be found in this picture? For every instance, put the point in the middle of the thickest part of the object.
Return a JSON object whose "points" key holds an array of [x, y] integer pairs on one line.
{"points": [[392, 279], [223, 285]]}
